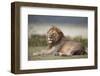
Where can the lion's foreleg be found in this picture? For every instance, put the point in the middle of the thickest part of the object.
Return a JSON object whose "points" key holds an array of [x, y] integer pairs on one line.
{"points": [[41, 53]]}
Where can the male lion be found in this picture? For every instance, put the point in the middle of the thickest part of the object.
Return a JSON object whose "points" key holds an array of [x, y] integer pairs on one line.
{"points": [[59, 45]]}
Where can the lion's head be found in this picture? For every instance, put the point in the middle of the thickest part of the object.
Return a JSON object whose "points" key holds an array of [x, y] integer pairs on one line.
{"points": [[54, 35]]}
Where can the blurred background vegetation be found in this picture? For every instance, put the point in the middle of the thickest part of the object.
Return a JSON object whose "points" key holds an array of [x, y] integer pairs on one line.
{"points": [[40, 40], [37, 40]]}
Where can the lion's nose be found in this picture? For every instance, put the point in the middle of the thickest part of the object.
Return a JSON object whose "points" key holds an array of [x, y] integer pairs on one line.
{"points": [[50, 38]]}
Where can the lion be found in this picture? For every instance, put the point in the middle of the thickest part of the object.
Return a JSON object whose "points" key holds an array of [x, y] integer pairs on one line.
{"points": [[59, 45]]}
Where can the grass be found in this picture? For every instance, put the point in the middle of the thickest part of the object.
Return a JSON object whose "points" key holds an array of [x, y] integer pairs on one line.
{"points": [[49, 57], [32, 50]]}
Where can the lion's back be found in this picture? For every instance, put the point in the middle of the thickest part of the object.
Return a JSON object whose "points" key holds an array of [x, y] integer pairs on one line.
{"points": [[71, 47]]}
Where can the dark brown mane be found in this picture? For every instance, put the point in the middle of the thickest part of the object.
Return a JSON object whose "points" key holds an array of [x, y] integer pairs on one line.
{"points": [[61, 35]]}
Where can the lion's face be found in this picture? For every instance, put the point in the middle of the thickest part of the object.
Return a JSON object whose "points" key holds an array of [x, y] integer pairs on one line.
{"points": [[54, 35]]}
